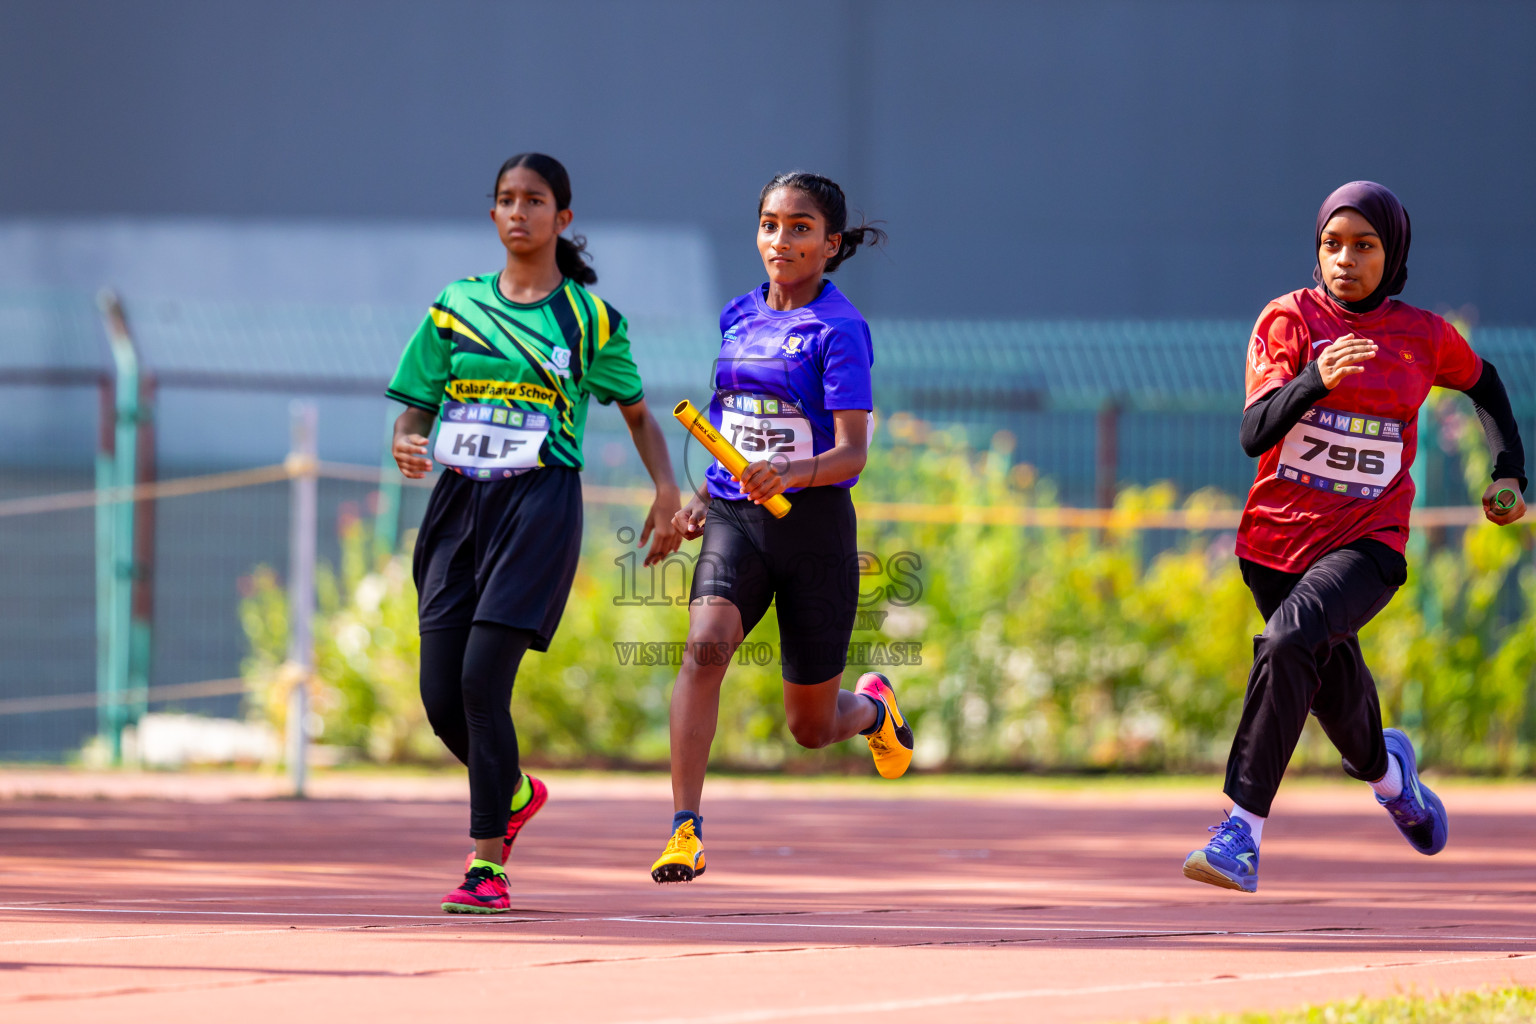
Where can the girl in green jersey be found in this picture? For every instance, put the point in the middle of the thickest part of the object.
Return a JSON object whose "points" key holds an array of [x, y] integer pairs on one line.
{"points": [[507, 361]]}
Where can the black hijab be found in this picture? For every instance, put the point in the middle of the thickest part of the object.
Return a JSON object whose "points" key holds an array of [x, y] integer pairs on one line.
{"points": [[1377, 204]]}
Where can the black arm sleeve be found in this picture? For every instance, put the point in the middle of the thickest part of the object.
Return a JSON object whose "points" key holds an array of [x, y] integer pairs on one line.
{"points": [[1492, 404], [1266, 421]]}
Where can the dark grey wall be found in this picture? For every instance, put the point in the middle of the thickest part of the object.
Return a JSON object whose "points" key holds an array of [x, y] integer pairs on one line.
{"points": [[1092, 158]]}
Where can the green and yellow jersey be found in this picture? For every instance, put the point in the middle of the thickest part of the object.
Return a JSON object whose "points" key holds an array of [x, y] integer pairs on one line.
{"points": [[513, 378]]}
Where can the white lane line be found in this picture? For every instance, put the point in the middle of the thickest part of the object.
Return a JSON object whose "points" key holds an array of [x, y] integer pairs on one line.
{"points": [[973, 998], [173, 900], [34, 909], [731, 923], [686, 922], [437, 922], [1065, 931], [695, 922], [1130, 931], [78, 939]]}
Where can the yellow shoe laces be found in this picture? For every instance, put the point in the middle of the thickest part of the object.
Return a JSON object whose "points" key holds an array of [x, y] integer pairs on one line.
{"points": [[680, 838]]}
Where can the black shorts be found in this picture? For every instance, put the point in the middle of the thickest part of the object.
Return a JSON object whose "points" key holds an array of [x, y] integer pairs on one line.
{"points": [[807, 562], [500, 551]]}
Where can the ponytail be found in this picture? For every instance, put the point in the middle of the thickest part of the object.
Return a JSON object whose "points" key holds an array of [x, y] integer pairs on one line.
{"points": [[570, 253], [570, 257], [829, 199], [864, 234]]}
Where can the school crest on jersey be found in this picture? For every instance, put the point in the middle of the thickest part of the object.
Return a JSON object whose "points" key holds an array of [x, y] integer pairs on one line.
{"points": [[559, 361], [793, 345]]}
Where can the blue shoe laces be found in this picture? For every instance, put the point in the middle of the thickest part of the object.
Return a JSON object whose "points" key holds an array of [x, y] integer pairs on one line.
{"points": [[1231, 839]]}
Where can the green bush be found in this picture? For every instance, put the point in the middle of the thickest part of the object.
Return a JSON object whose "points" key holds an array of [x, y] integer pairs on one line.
{"points": [[1050, 648], [366, 654], [1454, 655], [1512, 1005]]}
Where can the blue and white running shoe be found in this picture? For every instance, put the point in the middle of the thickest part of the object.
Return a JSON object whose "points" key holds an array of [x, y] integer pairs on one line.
{"points": [[1230, 860], [1416, 811]]}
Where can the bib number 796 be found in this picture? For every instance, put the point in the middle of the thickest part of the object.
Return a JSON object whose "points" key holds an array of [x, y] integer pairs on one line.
{"points": [[1344, 457], [1357, 456]]}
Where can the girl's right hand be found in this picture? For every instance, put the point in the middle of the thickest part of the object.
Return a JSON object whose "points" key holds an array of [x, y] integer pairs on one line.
{"points": [[689, 519], [410, 451], [1343, 358]]}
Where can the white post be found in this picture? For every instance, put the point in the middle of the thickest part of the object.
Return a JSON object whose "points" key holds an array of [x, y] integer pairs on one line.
{"points": [[302, 517]]}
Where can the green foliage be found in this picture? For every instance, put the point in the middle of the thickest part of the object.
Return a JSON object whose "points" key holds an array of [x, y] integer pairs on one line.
{"points": [[1454, 654], [366, 653], [1053, 648], [1514, 1005]]}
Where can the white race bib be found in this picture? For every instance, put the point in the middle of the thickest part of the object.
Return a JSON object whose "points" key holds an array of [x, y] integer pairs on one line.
{"points": [[489, 441], [762, 427], [1343, 453]]}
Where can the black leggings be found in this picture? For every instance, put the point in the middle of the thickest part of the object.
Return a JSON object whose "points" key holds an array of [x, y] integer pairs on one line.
{"points": [[466, 685], [1308, 659]]}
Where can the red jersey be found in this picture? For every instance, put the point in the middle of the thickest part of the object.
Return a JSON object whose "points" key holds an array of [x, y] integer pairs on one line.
{"points": [[1342, 472]]}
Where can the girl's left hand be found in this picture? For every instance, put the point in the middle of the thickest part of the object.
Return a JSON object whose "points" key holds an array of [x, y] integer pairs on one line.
{"points": [[659, 528], [1503, 516], [762, 480]]}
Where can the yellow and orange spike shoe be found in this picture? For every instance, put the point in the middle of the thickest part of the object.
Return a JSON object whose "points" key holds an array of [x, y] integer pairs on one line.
{"points": [[683, 859], [892, 742]]}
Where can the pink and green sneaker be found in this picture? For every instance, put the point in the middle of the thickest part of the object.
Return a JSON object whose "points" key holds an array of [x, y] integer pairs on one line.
{"points": [[518, 820], [484, 892]]}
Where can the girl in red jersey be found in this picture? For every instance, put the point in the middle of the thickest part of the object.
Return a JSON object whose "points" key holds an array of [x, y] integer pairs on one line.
{"points": [[1335, 378]]}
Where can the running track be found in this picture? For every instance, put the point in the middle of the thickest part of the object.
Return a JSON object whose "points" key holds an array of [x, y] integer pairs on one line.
{"points": [[823, 902]]}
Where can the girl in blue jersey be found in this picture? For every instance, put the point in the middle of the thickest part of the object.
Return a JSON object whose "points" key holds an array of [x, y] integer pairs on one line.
{"points": [[792, 391]]}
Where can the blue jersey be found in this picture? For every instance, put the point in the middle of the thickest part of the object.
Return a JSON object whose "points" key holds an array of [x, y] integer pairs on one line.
{"points": [[781, 375]]}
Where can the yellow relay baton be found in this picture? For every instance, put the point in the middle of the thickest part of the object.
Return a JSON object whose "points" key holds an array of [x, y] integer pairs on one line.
{"points": [[734, 462]]}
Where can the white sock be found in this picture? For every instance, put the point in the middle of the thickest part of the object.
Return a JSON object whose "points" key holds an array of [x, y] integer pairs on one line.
{"points": [[1254, 822], [1390, 784]]}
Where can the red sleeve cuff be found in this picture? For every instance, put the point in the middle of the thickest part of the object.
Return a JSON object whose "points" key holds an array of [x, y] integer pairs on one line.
{"points": [[1471, 381]]}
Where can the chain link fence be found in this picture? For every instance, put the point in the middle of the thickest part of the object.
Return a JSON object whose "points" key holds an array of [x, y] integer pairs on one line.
{"points": [[1089, 406]]}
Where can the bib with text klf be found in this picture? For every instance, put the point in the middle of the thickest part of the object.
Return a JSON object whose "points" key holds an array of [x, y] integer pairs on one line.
{"points": [[1343, 453], [489, 441]]}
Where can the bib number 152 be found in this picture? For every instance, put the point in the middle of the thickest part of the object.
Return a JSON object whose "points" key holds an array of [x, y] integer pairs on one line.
{"points": [[1345, 458], [748, 437]]}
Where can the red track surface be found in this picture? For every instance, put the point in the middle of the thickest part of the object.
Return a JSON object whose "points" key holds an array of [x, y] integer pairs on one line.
{"points": [[822, 902]]}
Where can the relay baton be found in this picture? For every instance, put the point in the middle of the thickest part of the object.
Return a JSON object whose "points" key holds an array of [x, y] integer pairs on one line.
{"points": [[734, 462], [1502, 503]]}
